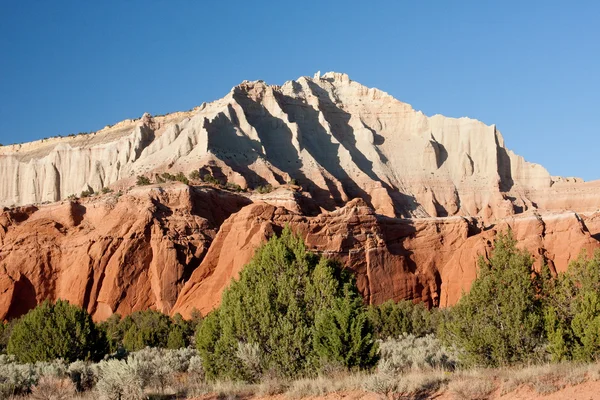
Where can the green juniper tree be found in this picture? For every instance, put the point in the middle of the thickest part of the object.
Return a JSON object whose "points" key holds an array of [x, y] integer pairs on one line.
{"points": [[572, 312], [272, 310], [59, 330], [500, 320]]}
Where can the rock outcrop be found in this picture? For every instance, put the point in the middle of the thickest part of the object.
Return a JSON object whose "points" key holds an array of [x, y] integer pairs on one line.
{"points": [[337, 138], [425, 259], [406, 201], [112, 254]]}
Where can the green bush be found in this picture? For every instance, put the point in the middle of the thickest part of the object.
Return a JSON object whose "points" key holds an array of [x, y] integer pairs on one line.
{"points": [[180, 177], [264, 189], [194, 175], [391, 320], [181, 332], [3, 336], [147, 328], [343, 334], [143, 180], [59, 330], [499, 321], [208, 178], [234, 187], [572, 312], [266, 322]]}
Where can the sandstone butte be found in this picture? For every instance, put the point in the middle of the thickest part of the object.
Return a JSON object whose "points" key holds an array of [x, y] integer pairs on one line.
{"points": [[408, 202]]}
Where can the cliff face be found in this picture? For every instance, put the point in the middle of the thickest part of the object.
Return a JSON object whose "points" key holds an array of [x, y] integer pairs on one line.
{"points": [[112, 254], [426, 259], [176, 248], [405, 200], [338, 139]]}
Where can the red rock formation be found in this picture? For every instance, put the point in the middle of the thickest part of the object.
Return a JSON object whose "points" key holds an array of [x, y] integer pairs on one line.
{"points": [[355, 159], [426, 259], [177, 248], [115, 254]]}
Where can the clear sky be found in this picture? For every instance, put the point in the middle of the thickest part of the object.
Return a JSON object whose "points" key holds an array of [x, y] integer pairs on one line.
{"points": [[530, 67]]}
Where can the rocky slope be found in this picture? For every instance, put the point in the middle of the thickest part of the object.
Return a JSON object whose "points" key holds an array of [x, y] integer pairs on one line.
{"points": [[406, 201]]}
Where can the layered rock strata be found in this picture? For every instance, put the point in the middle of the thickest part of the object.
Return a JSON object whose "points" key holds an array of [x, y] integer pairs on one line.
{"points": [[408, 202]]}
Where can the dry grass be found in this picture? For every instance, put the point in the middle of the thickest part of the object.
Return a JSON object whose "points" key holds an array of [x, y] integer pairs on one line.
{"points": [[469, 384], [547, 378], [50, 388], [322, 385], [465, 388]]}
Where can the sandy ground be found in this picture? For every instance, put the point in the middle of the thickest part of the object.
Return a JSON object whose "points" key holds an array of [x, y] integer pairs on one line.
{"points": [[583, 391]]}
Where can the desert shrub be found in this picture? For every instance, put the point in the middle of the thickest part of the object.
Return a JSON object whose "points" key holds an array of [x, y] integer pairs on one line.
{"points": [[251, 357], [177, 338], [264, 189], [391, 320], [274, 306], [83, 375], [181, 332], [59, 330], [15, 379], [53, 388], [167, 177], [106, 190], [117, 380], [142, 329], [53, 369], [471, 388], [499, 321], [343, 333], [147, 328], [156, 367], [234, 187], [142, 180], [86, 193], [194, 175], [6, 329], [409, 352], [195, 369], [3, 339], [572, 312], [113, 330], [180, 177], [208, 178]]}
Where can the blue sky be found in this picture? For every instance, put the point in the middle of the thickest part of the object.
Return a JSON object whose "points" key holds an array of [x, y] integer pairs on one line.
{"points": [[532, 67]]}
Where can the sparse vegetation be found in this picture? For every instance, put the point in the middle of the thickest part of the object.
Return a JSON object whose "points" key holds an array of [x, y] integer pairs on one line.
{"points": [[234, 187], [180, 177], [143, 180], [194, 175], [208, 178], [268, 188]]}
